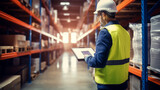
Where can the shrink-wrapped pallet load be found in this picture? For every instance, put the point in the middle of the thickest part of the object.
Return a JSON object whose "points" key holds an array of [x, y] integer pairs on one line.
{"points": [[155, 42]]}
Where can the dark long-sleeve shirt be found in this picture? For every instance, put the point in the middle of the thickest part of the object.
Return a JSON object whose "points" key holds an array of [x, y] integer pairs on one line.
{"points": [[103, 46]]}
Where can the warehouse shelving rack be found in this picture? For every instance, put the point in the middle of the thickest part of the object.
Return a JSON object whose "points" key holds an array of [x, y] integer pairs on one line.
{"points": [[52, 19], [30, 28], [15, 54], [141, 73], [16, 2]]}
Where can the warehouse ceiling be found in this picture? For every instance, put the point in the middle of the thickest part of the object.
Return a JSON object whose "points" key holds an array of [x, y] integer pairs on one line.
{"points": [[73, 9], [131, 13]]}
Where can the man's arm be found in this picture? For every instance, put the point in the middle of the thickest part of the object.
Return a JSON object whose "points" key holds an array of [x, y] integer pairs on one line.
{"points": [[103, 46]]}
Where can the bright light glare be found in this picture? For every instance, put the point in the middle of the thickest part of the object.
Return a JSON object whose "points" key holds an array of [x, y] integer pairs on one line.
{"points": [[64, 3], [73, 37], [69, 30], [78, 17], [65, 37], [68, 20], [65, 8], [66, 14], [36, 6], [58, 36], [65, 63]]}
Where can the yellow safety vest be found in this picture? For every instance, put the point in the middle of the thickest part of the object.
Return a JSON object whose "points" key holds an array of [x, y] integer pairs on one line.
{"points": [[116, 69]]}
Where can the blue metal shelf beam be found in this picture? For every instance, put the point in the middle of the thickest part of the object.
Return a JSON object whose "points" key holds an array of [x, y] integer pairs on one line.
{"points": [[40, 36], [49, 28], [96, 32], [144, 45], [153, 8], [30, 39]]}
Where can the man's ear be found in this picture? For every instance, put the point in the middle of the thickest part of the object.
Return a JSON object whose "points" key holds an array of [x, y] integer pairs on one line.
{"points": [[103, 15]]}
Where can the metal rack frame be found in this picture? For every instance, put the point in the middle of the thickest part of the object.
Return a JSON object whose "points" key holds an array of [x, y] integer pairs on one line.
{"points": [[30, 28]]}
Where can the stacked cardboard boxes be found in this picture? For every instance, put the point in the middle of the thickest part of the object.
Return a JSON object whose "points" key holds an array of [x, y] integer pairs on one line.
{"points": [[43, 65], [13, 40], [18, 70], [35, 65], [35, 45], [134, 82], [44, 44], [10, 83]]}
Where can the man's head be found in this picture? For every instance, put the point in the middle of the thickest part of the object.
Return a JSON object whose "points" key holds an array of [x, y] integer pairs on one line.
{"points": [[106, 10]]}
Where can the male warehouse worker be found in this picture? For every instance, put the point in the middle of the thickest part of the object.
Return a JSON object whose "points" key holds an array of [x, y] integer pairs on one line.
{"points": [[111, 59]]}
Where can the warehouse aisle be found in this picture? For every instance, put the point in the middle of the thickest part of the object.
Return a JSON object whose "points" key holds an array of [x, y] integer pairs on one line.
{"points": [[65, 74]]}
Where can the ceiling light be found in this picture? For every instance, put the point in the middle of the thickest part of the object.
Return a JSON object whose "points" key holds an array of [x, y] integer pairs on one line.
{"points": [[65, 8], [78, 17], [64, 3], [66, 14], [36, 6], [68, 20]]}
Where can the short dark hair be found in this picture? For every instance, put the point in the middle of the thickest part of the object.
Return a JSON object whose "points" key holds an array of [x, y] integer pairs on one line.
{"points": [[110, 15]]}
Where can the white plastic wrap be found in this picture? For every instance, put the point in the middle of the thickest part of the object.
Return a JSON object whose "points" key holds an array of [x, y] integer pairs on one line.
{"points": [[137, 42], [155, 61], [155, 22], [155, 42]]}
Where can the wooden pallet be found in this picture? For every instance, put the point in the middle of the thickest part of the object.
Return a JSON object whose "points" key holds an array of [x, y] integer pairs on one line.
{"points": [[22, 49], [135, 65], [153, 71], [34, 75], [6, 49], [36, 25], [43, 69]]}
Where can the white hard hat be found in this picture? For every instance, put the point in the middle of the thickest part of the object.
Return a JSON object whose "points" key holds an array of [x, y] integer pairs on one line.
{"points": [[106, 5]]}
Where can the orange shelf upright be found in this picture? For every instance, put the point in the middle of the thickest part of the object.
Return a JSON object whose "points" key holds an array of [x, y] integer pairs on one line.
{"points": [[138, 72], [124, 4], [8, 55], [85, 14], [21, 23], [119, 7], [13, 55], [25, 9], [52, 20], [88, 32], [35, 51], [18, 54], [17, 21]]}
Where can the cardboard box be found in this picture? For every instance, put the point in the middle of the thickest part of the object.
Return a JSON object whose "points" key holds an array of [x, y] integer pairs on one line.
{"points": [[135, 83], [10, 83], [18, 70], [44, 44], [12, 40], [51, 61], [43, 65], [36, 64], [33, 68], [35, 45], [27, 43]]}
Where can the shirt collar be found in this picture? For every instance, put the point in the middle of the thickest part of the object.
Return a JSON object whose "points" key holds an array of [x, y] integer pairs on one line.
{"points": [[111, 22]]}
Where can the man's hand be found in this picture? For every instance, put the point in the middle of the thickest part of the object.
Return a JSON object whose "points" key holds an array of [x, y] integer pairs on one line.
{"points": [[85, 57]]}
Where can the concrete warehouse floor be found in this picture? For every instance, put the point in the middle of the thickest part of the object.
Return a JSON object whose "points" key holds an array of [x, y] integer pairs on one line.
{"points": [[65, 74]]}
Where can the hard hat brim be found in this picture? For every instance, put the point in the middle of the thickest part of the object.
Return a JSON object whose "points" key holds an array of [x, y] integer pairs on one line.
{"points": [[111, 11], [95, 12]]}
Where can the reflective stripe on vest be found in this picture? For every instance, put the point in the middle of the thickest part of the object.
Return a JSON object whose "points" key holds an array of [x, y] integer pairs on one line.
{"points": [[116, 69], [117, 62]]}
